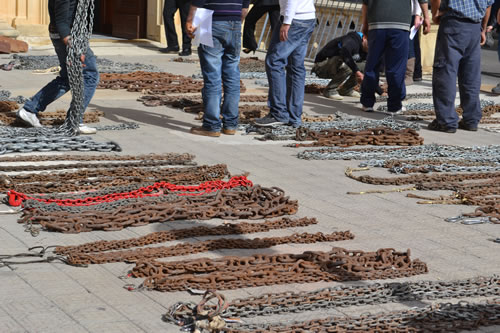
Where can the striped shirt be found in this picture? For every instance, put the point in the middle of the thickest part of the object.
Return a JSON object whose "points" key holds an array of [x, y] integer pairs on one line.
{"points": [[470, 9], [224, 10]]}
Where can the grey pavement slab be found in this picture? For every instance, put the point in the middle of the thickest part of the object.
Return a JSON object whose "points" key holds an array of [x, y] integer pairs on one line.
{"points": [[58, 298]]}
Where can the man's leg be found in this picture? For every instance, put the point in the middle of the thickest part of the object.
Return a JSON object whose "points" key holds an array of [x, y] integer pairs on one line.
{"points": [[90, 79], [184, 6], [54, 89], [231, 77], [253, 16], [469, 77], [396, 57], [376, 43], [444, 75], [337, 73], [276, 61], [169, 10], [211, 68], [299, 34]]}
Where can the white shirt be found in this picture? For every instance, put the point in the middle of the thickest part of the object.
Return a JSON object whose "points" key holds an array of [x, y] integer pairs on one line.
{"points": [[415, 8], [297, 9]]}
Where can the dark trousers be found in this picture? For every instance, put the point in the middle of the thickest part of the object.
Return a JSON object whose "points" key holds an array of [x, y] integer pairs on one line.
{"points": [[457, 54], [392, 44], [253, 16], [414, 52], [169, 10]]}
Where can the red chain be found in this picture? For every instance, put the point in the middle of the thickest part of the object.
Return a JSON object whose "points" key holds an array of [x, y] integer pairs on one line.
{"points": [[158, 189]]}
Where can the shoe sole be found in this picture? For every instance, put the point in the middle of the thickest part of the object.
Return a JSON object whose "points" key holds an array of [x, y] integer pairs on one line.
{"points": [[26, 121], [270, 124]]}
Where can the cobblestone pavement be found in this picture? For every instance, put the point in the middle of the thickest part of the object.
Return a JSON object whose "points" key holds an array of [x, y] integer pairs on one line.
{"points": [[59, 298]]}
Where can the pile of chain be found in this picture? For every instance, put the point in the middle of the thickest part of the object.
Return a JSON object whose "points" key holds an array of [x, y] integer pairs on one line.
{"points": [[343, 122], [238, 203], [442, 317], [149, 253], [263, 270], [104, 65], [346, 296], [48, 118], [5, 96], [239, 228], [425, 111], [381, 136], [110, 175], [153, 83]]}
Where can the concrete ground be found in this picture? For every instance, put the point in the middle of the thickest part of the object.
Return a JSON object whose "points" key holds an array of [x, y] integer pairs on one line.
{"points": [[59, 298]]}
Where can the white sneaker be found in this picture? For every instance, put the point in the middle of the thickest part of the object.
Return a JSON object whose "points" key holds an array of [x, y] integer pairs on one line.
{"points": [[367, 108], [29, 118], [84, 129], [403, 109], [333, 95], [354, 93]]}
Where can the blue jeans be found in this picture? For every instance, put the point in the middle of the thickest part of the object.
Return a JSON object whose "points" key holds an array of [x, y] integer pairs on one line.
{"points": [[457, 54], [286, 90], [60, 85], [220, 67], [392, 45]]}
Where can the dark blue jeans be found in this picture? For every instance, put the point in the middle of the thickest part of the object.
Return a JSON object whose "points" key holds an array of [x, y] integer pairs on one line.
{"points": [[220, 67], [457, 54], [392, 44], [60, 85], [286, 90]]}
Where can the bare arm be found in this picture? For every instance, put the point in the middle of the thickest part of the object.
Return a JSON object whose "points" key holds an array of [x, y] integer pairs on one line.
{"points": [[364, 19], [435, 10], [425, 15], [190, 29], [484, 23]]}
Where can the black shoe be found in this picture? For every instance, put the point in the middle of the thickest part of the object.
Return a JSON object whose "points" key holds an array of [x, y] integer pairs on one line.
{"points": [[185, 52], [170, 49], [417, 79], [464, 126], [247, 51], [435, 126]]}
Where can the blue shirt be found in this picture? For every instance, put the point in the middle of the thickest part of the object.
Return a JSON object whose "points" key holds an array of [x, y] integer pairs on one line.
{"points": [[471, 9]]}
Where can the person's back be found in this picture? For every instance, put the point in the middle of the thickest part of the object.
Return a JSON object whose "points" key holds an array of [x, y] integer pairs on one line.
{"points": [[388, 14], [62, 14]]}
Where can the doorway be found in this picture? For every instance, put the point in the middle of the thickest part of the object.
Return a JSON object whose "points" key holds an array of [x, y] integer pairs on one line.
{"points": [[121, 18]]}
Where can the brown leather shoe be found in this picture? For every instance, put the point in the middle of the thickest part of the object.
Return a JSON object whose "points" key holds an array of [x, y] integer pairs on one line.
{"points": [[228, 131], [201, 131]]}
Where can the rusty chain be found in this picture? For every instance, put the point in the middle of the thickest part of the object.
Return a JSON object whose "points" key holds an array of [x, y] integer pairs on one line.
{"points": [[264, 270], [171, 235], [149, 253], [86, 179], [253, 203], [101, 157], [50, 118], [381, 136]]}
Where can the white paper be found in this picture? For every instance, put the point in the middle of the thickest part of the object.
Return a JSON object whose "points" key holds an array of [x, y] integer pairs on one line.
{"points": [[414, 30], [203, 22]]}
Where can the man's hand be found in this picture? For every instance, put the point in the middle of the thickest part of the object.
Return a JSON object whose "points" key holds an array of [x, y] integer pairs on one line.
{"points": [[244, 12], [190, 29], [437, 17], [483, 37], [66, 40], [284, 32], [427, 25], [359, 77]]}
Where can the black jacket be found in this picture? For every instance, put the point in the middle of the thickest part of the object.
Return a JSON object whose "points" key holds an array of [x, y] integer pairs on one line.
{"points": [[346, 47], [62, 14]]}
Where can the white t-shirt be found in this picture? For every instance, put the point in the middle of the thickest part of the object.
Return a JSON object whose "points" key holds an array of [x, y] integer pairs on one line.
{"points": [[297, 9]]}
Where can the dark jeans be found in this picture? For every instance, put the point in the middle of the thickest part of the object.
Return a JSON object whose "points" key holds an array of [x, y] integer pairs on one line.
{"points": [[392, 44], [457, 54], [220, 68], [253, 16], [169, 10], [415, 52], [60, 85], [286, 72]]}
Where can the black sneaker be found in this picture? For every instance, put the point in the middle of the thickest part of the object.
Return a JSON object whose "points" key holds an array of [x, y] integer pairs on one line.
{"points": [[170, 49], [185, 52], [464, 126], [435, 126], [268, 121]]}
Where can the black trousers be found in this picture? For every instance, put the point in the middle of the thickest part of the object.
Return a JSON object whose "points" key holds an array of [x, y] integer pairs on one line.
{"points": [[169, 10], [253, 16]]}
